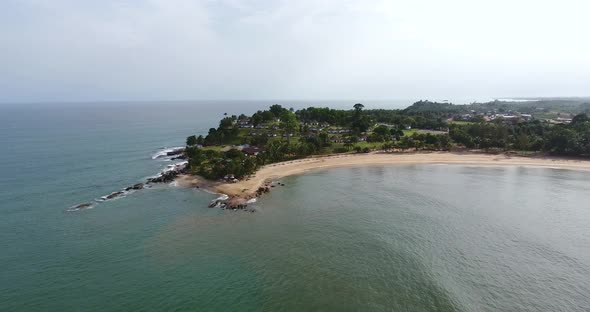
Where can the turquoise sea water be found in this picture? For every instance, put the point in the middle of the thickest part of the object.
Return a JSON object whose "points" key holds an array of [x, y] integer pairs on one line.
{"points": [[408, 238]]}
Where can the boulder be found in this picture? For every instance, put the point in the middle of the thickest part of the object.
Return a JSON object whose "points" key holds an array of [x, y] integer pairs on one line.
{"points": [[181, 157], [114, 195], [165, 177]]}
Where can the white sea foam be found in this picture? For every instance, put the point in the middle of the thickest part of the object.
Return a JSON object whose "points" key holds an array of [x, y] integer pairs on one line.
{"points": [[164, 152], [251, 201], [176, 166], [222, 197]]}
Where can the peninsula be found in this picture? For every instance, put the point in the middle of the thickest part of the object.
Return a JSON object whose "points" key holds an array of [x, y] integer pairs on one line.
{"points": [[244, 154]]}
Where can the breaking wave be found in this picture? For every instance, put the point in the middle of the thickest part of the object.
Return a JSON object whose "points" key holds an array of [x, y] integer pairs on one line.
{"points": [[164, 152]]}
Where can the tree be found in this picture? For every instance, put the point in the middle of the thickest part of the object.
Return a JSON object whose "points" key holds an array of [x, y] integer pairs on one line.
{"points": [[522, 142], [561, 140], [257, 118], [200, 140], [226, 123], [381, 130], [397, 133], [445, 142], [276, 110], [288, 123], [268, 116], [406, 143], [358, 107], [250, 165], [360, 123], [580, 118], [381, 134], [191, 140]]}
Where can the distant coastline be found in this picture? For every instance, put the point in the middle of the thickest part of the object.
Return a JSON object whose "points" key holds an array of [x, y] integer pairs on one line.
{"points": [[250, 187]]}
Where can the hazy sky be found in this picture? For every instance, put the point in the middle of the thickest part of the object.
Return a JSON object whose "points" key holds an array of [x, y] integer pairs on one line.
{"points": [[52, 50]]}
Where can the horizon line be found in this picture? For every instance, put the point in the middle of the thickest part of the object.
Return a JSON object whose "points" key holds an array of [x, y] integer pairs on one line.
{"points": [[293, 99]]}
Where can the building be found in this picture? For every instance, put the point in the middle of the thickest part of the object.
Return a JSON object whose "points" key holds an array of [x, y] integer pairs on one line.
{"points": [[251, 150]]}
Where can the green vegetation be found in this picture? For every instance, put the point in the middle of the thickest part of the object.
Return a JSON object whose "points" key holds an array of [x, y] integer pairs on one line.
{"points": [[458, 122], [572, 139], [241, 144]]}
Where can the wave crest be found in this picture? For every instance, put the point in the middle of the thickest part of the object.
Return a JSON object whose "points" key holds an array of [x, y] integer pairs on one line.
{"points": [[164, 152]]}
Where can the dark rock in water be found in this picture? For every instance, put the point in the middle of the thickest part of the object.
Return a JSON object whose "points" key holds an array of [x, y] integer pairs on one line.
{"points": [[249, 209], [181, 157], [114, 195], [233, 203], [175, 152], [137, 186], [81, 206], [261, 190], [214, 203], [165, 177]]}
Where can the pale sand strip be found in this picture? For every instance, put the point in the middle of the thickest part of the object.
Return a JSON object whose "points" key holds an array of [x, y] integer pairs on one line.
{"points": [[247, 188]]}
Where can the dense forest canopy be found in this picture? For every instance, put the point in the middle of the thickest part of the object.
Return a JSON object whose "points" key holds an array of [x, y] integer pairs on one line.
{"points": [[241, 144]]}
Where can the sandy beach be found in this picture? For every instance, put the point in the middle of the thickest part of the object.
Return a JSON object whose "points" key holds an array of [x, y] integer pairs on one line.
{"points": [[247, 188]]}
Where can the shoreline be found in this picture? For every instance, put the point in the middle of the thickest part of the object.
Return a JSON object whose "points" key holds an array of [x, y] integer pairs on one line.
{"points": [[249, 188]]}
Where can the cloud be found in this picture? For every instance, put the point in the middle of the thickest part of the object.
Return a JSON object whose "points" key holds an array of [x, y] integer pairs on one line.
{"points": [[254, 49]]}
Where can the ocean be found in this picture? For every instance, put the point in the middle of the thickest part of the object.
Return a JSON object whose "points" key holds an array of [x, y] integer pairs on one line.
{"points": [[398, 238]]}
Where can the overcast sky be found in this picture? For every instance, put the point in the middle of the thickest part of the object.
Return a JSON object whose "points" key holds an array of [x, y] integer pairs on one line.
{"points": [[72, 50]]}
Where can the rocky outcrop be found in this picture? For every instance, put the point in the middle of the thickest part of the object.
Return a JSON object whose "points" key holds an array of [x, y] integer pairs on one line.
{"points": [[262, 190], [137, 186], [82, 206], [165, 177], [181, 157], [114, 195], [232, 203], [175, 152]]}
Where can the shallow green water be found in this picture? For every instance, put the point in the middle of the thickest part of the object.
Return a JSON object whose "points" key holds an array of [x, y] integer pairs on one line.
{"points": [[410, 238], [428, 238]]}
